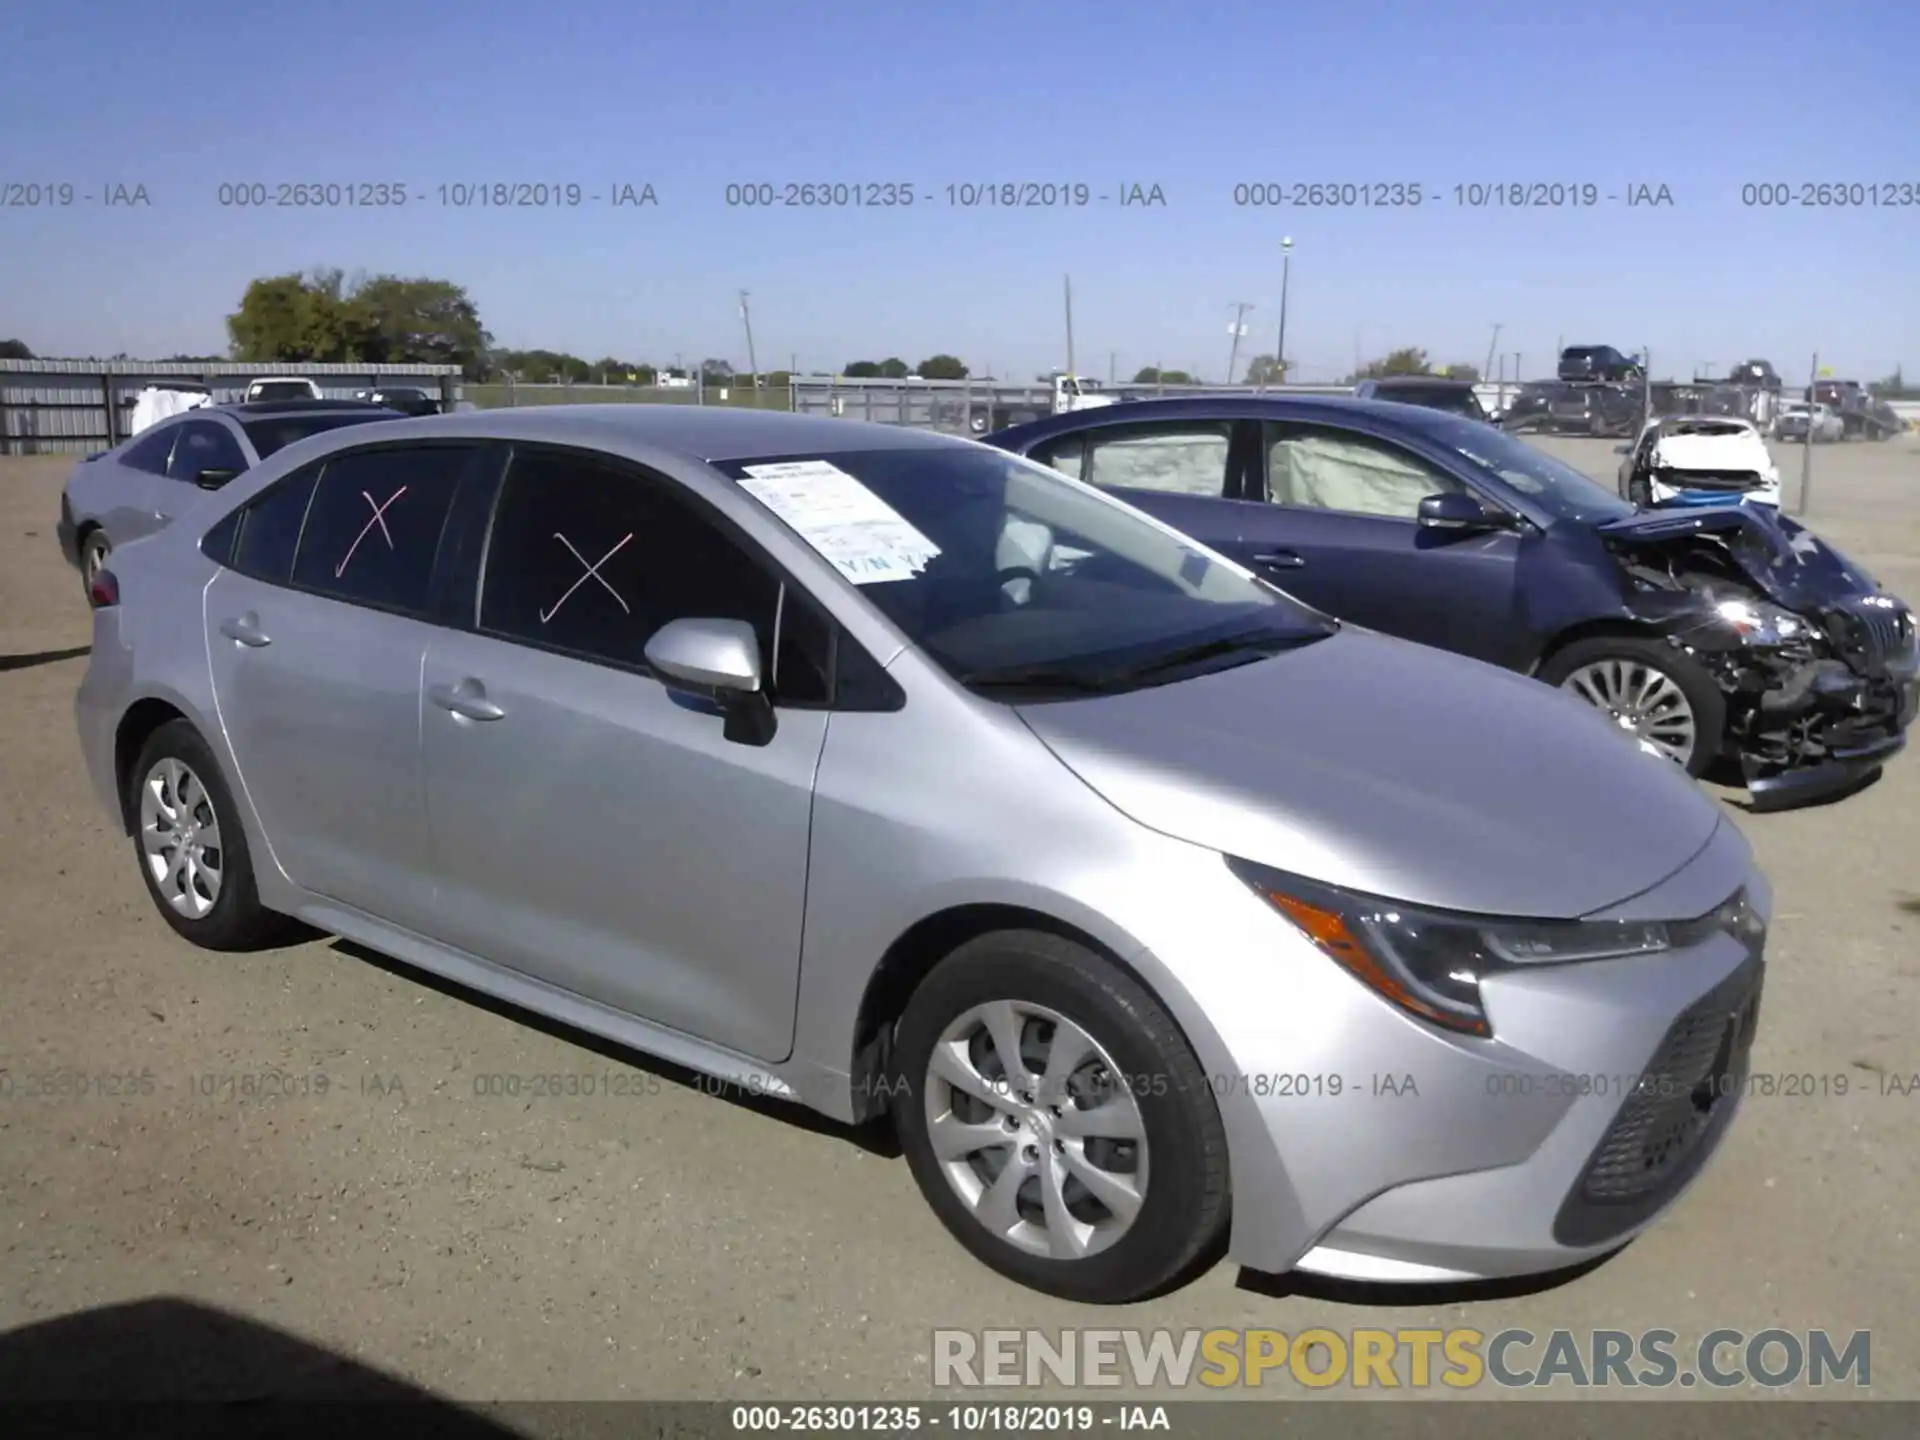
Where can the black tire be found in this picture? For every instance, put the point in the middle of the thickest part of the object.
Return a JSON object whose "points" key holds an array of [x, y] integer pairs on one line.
{"points": [[1708, 704], [1182, 1224], [94, 549], [237, 919]]}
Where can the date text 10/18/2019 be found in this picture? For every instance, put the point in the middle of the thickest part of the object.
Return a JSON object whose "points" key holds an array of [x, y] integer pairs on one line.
{"points": [[1478, 195]]}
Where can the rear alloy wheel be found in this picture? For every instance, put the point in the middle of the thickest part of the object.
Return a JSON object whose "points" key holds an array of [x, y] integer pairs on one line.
{"points": [[93, 557], [1662, 697], [1058, 1122], [193, 851]]}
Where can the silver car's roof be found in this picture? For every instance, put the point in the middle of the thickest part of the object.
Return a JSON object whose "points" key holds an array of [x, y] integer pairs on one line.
{"points": [[694, 432]]}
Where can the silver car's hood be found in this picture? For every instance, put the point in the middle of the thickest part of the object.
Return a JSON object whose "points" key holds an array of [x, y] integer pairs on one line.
{"points": [[1394, 769]]}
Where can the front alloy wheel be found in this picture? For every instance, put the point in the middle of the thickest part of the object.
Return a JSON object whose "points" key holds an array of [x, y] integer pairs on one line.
{"points": [[1642, 700], [1034, 1132], [1658, 694]]}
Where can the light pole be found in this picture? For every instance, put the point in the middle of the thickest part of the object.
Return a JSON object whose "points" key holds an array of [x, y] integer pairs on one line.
{"points": [[1280, 348]]}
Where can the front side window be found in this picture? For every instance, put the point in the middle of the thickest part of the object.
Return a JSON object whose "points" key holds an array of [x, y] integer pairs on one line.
{"points": [[150, 451], [1328, 469], [373, 529], [1009, 575], [592, 559], [205, 445]]}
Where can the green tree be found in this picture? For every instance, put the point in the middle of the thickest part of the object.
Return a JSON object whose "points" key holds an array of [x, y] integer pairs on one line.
{"points": [[1409, 361], [280, 318], [1151, 375], [942, 367], [1462, 371], [1262, 370], [862, 370], [894, 368], [780, 379], [716, 372], [15, 350]]}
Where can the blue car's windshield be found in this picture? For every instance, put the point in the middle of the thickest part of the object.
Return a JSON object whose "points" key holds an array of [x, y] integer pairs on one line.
{"points": [[1003, 571], [1551, 484]]}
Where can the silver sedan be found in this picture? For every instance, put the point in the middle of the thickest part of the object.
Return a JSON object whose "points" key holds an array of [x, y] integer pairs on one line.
{"points": [[898, 776]]}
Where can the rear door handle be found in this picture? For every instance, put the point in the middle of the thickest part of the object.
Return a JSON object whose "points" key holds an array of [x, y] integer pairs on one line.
{"points": [[1279, 560], [468, 699], [246, 630]]}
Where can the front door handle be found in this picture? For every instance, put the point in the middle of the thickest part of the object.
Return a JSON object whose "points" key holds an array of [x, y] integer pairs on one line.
{"points": [[468, 699], [245, 629], [1279, 560]]}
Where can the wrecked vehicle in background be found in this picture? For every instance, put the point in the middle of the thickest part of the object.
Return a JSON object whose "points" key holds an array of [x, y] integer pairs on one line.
{"points": [[1715, 636], [1699, 460]]}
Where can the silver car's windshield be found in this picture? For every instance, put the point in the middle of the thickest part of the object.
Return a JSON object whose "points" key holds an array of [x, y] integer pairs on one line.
{"points": [[1009, 575]]}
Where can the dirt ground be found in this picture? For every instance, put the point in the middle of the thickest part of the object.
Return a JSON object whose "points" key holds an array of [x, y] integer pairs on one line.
{"points": [[670, 1243]]}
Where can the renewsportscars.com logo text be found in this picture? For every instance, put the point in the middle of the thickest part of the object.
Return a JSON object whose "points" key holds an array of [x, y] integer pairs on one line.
{"points": [[1459, 1359]]}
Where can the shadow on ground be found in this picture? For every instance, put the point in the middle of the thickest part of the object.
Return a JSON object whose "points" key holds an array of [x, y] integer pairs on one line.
{"points": [[43, 657], [171, 1366]]}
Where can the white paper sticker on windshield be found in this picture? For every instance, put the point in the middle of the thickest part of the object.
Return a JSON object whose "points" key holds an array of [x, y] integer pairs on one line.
{"points": [[865, 538]]}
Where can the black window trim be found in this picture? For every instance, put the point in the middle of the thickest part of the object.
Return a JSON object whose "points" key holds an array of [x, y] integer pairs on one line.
{"points": [[1392, 442], [425, 612], [468, 605]]}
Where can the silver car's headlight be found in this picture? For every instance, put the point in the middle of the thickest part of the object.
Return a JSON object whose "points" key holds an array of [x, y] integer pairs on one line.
{"points": [[1430, 963], [1757, 620]]}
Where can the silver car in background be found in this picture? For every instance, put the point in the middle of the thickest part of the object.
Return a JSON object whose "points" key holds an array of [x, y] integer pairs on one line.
{"points": [[889, 773], [142, 483]]}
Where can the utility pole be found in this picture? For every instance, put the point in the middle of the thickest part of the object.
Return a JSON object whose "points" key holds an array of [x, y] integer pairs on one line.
{"points": [[1068, 280], [1240, 310], [1113, 361], [1286, 270], [746, 320], [1806, 448], [1491, 344]]}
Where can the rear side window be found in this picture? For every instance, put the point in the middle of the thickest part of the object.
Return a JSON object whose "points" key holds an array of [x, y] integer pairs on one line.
{"points": [[150, 451], [373, 529], [270, 528]]}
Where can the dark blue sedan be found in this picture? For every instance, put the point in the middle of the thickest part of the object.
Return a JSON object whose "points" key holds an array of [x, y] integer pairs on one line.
{"points": [[1725, 634]]}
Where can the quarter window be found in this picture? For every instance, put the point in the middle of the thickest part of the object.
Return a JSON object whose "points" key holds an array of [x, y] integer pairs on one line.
{"points": [[373, 529], [270, 528], [592, 559]]}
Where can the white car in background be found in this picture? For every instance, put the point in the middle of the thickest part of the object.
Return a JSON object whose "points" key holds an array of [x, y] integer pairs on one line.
{"points": [[282, 387], [1792, 424], [1684, 460]]}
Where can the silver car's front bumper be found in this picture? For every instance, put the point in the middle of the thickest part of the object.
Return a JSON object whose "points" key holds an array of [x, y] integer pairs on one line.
{"points": [[1368, 1145]]}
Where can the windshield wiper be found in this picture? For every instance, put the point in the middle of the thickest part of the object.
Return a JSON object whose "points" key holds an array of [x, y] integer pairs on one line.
{"points": [[1036, 677], [1253, 644]]}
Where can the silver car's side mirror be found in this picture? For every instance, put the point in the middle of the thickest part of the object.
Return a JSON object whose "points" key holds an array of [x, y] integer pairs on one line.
{"points": [[708, 654]]}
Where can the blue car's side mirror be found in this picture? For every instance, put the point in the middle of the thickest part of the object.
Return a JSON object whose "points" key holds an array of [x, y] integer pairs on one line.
{"points": [[1456, 510]]}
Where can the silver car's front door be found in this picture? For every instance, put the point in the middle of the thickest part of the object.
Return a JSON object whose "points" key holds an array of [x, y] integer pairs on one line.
{"points": [[596, 831], [591, 827]]}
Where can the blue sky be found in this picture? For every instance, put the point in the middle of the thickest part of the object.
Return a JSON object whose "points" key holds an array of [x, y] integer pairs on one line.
{"points": [[1702, 98]]}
